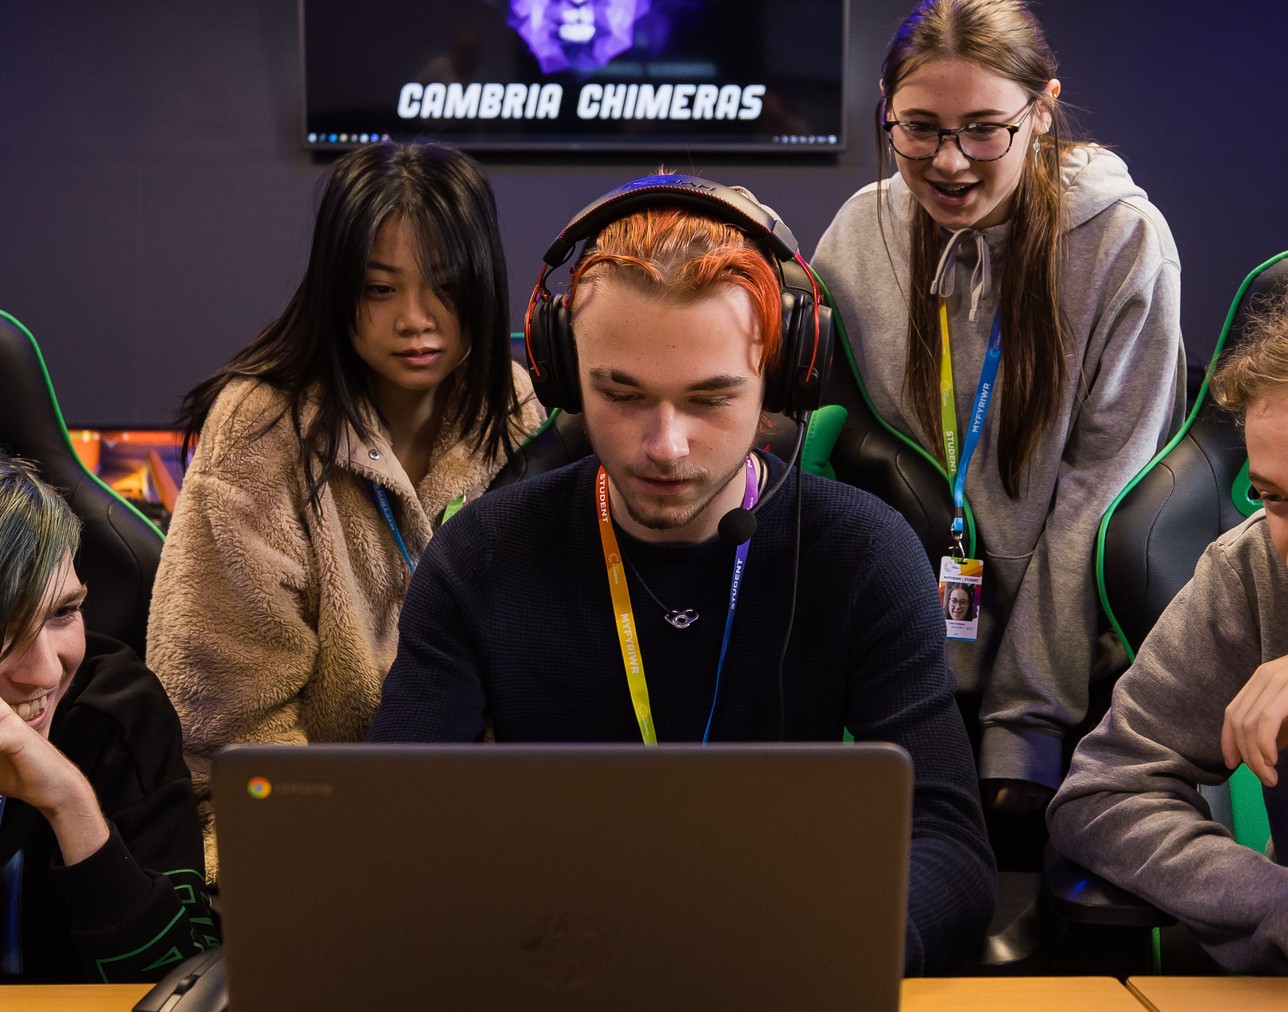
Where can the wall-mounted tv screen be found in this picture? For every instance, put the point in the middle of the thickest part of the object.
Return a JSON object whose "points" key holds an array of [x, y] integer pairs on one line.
{"points": [[596, 75]]}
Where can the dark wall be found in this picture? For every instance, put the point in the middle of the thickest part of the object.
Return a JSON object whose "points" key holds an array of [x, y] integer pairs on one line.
{"points": [[155, 206]]}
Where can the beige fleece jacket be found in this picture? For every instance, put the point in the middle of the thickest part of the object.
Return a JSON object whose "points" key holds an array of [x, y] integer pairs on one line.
{"points": [[273, 622]]}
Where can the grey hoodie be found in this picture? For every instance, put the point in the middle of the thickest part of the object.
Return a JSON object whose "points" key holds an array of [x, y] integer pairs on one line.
{"points": [[1038, 631], [1130, 809]]}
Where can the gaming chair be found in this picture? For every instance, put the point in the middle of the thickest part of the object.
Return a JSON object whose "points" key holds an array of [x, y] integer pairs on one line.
{"points": [[120, 548]]}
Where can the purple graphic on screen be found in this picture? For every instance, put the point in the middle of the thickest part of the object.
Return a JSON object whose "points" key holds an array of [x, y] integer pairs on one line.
{"points": [[580, 35]]}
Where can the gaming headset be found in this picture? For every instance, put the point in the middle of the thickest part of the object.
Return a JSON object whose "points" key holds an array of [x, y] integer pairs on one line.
{"points": [[795, 383]]}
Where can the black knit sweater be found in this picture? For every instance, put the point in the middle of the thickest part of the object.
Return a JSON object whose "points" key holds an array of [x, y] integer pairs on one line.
{"points": [[509, 620]]}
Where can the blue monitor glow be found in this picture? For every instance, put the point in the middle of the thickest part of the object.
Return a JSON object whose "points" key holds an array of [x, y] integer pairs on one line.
{"points": [[593, 75]]}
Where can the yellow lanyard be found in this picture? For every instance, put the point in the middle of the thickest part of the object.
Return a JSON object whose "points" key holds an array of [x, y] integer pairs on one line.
{"points": [[624, 614], [947, 403]]}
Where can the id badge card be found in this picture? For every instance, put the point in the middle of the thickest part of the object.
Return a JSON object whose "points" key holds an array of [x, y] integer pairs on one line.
{"points": [[960, 583]]}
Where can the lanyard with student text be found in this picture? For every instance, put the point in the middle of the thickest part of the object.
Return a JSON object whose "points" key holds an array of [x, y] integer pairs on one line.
{"points": [[386, 511], [624, 614], [957, 467]]}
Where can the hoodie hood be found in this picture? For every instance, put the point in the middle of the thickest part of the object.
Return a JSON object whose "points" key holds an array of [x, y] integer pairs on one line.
{"points": [[1094, 178]]}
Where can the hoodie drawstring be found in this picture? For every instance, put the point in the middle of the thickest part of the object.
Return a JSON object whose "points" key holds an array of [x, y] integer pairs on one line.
{"points": [[981, 278]]}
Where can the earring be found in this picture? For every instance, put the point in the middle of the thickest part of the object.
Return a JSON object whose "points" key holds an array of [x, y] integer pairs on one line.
{"points": [[1037, 147]]}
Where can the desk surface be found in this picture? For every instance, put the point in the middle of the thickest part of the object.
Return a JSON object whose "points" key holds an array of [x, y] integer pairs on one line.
{"points": [[1022, 994], [1204, 994], [71, 997], [924, 994], [928, 994]]}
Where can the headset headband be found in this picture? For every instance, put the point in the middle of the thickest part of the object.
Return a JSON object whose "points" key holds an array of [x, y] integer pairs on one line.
{"points": [[692, 193]]}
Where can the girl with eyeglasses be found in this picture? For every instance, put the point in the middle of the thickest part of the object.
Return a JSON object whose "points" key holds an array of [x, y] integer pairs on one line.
{"points": [[331, 448], [1004, 262]]}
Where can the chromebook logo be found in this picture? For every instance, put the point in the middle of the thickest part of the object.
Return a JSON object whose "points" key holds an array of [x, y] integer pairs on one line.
{"points": [[259, 787]]}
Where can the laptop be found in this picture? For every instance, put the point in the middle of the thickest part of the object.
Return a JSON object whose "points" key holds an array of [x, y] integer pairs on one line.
{"points": [[563, 876]]}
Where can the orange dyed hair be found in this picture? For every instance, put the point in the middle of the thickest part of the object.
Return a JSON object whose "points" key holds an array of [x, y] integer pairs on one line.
{"points": [[675, 254]]}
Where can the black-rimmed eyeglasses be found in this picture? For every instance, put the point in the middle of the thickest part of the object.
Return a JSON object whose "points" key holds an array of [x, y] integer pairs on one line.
{"points": [[980, 142]]}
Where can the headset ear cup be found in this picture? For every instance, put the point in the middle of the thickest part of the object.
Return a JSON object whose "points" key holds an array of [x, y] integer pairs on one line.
{"points": [[552, 356], [796, 381], [825, 350], [541, 369], [563, 349], [814, 365], [778, 379], [804, 361]]}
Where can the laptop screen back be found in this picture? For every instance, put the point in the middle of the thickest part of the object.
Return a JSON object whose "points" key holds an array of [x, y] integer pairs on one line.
{"points": [[568, 876]]}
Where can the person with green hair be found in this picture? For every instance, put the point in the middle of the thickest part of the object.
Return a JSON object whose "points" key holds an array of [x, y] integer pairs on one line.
{"points": [[101, 870]]}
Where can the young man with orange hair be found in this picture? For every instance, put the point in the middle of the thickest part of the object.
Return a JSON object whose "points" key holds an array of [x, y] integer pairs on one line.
{"points": [[514, 619]]}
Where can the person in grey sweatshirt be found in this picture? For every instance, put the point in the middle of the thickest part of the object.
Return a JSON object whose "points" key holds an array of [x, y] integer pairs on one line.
{"points": [[998, 230], [1208, 691]]}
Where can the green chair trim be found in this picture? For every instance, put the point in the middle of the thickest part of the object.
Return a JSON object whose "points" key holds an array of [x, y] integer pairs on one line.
{"points": [[62, 425], [1171, 445]]}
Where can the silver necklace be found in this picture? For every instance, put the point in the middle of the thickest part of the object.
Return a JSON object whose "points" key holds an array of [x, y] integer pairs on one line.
{"points": [[679, 618]]}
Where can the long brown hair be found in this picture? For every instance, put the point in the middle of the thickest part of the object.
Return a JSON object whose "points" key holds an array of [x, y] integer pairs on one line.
{"points": [[1001, 36]]}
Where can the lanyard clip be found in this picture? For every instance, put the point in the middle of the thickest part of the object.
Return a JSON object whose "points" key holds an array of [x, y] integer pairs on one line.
{"points": [[957, 537]]}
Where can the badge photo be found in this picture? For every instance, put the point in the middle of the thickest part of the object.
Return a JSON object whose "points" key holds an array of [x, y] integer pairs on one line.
{"points": [[960, 584]]}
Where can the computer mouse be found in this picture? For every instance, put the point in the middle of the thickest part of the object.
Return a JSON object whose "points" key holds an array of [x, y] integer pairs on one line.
{"points": [[197, 984]]}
